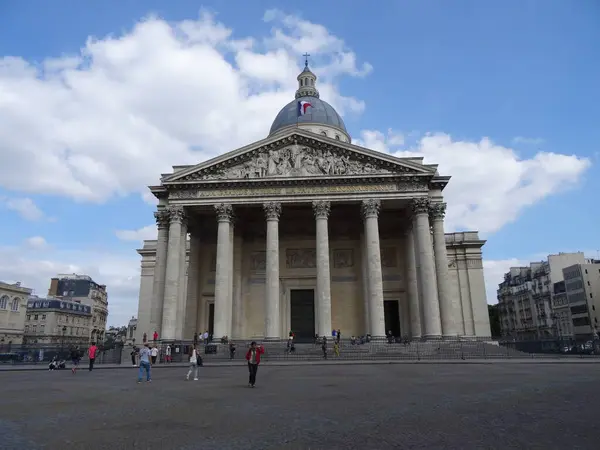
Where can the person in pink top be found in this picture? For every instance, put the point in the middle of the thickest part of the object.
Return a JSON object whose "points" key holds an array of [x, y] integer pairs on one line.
{"points": [[92, 352]]}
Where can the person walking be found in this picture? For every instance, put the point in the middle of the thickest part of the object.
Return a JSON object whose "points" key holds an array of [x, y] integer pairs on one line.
{"points": [[144, 364], [92, 352], [193, 354], [154, 353], [324, 347], [168, 353], [253, 358], [133, 354], [75, 357]]}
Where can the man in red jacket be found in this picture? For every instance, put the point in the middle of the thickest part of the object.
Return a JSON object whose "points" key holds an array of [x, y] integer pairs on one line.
{"points": [[92, 352], [253, 358]]}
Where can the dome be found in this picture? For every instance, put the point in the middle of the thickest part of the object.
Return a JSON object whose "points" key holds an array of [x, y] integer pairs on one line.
{"points": [[318, 116], [320, 112]]}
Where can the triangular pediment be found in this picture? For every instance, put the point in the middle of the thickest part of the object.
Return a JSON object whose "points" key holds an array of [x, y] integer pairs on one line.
{"points": [[298, 154]]}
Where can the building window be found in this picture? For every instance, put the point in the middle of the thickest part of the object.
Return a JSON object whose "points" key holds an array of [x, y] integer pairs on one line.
{"points": [[337, 137], [34, 328], [35, 317], [26, 328], [3, 301], [28, 316], [43, 316], [591, 296], [15, 304], [42, 327]]}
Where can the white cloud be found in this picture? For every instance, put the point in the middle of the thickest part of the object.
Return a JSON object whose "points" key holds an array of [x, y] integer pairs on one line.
{"points": [[36, 242], [490, 183], [141, 234], [34, 267], [528, 140], [494, 270], [108, 121], [25, 207]]}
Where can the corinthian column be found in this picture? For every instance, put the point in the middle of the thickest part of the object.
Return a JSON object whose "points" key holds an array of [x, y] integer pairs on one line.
{"points": [[430, 305], [173, 273], [160, 270], [321, 210], [412, 289], [272, 325], [222, 323], [449, 307], [370, 212]]}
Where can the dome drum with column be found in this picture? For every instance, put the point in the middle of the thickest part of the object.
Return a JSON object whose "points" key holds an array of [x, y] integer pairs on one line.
{"points": [[311, 233]]}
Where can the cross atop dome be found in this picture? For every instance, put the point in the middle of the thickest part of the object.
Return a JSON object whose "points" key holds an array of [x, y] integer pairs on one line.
{"points": [[307, 81]]}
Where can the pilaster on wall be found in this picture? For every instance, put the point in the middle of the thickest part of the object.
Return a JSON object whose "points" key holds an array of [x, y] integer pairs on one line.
{"points": [[145, 298], [465, 269]]}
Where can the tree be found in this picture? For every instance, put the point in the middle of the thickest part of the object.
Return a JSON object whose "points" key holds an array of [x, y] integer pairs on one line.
{"points": [[494, 313]]}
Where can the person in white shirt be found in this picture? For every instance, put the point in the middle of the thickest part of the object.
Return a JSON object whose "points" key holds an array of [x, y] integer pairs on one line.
{"points": [[205, 337], [193, 354], [168, 354], [154, 354]]}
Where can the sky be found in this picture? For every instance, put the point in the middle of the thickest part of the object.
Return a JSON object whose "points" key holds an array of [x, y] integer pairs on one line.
{"points": [[98, 99]]}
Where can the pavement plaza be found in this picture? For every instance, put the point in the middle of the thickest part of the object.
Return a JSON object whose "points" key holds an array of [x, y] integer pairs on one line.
{"points": [[364, 406]]}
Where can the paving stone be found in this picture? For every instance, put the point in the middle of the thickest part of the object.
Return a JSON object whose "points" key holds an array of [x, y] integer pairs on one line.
{"points": [[361, 406]]}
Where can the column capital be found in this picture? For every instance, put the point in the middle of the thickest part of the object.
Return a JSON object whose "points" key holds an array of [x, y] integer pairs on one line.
{"points": [[163, 217], [272, 210], [176, 213], [321, 208], [419, 206], [437, 211], [370, 207], [224, 212]]}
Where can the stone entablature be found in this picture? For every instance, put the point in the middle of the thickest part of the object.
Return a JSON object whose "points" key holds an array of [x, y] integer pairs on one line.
{"points": [[298, 166]]}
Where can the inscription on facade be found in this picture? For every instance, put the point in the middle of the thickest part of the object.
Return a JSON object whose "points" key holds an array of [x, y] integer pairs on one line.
{"points": [[258, 261], [296, 190], [343, 258], [388, 257], [301, 258]]}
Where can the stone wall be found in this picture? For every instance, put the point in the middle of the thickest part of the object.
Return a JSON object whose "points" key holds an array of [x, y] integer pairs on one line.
{"points": [[298, 271]]}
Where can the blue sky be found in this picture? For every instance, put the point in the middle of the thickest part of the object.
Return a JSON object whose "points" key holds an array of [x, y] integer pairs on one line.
{"points": [[504, 97]]}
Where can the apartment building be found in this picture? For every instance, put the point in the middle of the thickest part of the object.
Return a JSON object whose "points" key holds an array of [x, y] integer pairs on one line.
{"points": [[82, 289], [562, 311], [526, 296], [13, 300], [57, 321], [582, 289]]}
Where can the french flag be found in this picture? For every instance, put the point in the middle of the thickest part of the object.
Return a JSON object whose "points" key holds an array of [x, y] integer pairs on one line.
{"points": [[302, 107]]}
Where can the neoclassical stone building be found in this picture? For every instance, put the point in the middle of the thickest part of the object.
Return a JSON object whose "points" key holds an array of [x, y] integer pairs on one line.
{"points": [[305, 231]]}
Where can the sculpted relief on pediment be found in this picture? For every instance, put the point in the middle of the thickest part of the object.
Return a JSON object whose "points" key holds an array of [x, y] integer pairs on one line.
{"points": [[292, 161]]}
